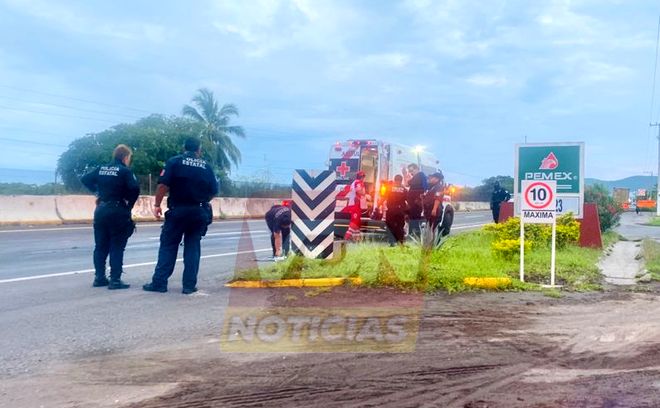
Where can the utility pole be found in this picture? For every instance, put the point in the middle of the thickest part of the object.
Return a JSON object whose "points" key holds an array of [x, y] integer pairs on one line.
{"points": [[657, 188]]}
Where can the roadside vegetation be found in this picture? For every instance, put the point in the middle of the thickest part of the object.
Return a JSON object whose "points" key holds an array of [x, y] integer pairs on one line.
{"points": [[654, 221], [609, 211], [477, 254], [651, 255]]}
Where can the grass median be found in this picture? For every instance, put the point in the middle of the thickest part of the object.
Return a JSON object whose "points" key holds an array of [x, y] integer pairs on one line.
{"points": [[464, 255], [651, 255]]}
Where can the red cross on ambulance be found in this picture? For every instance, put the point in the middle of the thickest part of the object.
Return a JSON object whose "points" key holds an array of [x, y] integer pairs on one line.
{"points": [[343, 169]]}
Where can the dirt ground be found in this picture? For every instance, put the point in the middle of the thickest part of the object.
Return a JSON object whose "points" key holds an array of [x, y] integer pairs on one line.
{"points": [[471, 350]]}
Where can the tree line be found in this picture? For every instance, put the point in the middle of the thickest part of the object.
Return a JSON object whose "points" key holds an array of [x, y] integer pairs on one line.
{"points": [[156, 138], [484, 191]]}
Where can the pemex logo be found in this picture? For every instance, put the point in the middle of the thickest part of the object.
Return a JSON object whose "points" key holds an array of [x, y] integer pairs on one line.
{"points": [[550, 162]]}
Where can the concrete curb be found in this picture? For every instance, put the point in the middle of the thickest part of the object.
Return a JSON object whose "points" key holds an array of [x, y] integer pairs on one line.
{"points": [[295, 283], [487, 283]]}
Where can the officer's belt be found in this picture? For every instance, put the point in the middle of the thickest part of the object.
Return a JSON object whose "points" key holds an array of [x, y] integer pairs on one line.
{"points": [[170, 206], [114, 203]]}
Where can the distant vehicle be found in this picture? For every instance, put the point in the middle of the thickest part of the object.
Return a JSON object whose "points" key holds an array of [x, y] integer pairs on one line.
{"points": [[622, 197], [380, 161]]}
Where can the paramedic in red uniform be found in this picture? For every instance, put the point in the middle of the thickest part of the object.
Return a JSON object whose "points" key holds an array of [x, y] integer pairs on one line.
{"points": [[355, 195]]}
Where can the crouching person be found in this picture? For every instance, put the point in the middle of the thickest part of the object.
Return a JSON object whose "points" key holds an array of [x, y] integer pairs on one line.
{"points": [[278, 219]]}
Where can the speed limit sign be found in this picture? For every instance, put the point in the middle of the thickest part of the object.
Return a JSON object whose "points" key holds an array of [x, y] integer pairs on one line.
{"points": [[538, 201], [538, 205]]}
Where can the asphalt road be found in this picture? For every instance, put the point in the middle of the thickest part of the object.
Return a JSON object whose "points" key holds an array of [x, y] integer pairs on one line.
{"points": [[635, 226], [49, 312]]}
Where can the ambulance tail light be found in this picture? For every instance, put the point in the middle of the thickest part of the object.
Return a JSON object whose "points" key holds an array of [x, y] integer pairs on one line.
{"points": [[383, 190]]}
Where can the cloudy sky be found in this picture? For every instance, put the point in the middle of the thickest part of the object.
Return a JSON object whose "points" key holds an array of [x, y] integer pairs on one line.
{"points": [[467, 79]]}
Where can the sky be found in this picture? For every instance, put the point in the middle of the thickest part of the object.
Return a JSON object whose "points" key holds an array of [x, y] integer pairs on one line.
{"points": [[466, 79]]}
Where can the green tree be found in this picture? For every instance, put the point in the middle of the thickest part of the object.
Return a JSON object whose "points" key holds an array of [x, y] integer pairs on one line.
{"points": [[483, 192], [216, 127], [154, 139]]}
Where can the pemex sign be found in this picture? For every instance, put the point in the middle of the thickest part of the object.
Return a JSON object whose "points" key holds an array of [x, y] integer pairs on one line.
{"points": [[559, 162]]}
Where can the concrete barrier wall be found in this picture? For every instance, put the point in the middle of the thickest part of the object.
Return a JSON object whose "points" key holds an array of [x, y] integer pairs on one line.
{"points": [[472, 206], [29, 209], [74, 208]]}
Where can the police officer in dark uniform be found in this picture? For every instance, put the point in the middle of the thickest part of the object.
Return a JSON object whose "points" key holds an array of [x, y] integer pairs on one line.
{"points": [[417, 185], [499, 196], [395, 217], [117, 190], [278, 219], [433, 200], [191, 185]]}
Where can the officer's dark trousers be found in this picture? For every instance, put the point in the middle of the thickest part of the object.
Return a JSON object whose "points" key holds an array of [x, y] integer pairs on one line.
{"points": [[112, 228], [496, 213], [189, 223], [415, 219], [286, 241], [396, 222]]}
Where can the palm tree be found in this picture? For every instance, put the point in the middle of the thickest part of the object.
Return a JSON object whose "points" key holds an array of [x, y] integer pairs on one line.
{"points": [[216, 126]]}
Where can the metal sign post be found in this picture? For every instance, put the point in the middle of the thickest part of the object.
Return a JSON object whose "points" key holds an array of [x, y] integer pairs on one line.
{"points": [[522, 250], [538, 205]]}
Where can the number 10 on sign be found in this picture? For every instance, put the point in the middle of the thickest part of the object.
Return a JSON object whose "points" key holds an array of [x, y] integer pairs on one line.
{"points": [[538, 206]]}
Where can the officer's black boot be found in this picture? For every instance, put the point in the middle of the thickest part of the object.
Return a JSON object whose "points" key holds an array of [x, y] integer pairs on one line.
{"points": [[118, 284], [150, 287], [100, 281]]}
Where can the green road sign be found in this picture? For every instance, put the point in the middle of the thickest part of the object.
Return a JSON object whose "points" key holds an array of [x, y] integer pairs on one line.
{"points": [[560, 162]]}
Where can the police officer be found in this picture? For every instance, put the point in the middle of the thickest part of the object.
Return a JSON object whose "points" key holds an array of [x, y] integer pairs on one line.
{"points": [[395, 216], [417, 185], [433, 200], [191, 185], [278, 219], [117, 190], [499, 196]]}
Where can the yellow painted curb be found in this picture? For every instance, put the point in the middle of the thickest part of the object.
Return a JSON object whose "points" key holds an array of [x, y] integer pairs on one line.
{"points": [[488, 283], [294, 283]]}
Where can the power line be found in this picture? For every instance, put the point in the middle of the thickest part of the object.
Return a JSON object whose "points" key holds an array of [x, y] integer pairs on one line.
{"points": [[9, 139], [36, 132], [70, 107], [74, 98], [57, 114]]}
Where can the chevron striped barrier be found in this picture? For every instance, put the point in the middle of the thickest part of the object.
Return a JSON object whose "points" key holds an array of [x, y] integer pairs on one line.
{"points": [[313, 213]]}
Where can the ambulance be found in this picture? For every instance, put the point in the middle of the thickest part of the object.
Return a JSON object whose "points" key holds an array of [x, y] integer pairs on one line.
{"points": [[380, 161]]}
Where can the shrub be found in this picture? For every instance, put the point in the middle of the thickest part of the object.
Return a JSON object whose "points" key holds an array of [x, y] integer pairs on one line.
{"points": [[609, 212], [536, 235], [507, 248]]}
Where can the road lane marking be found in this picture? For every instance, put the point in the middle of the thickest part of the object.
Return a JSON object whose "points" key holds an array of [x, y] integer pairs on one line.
{"points": [[139, 224], [135, 265], [45, 229], [214, 234]]}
